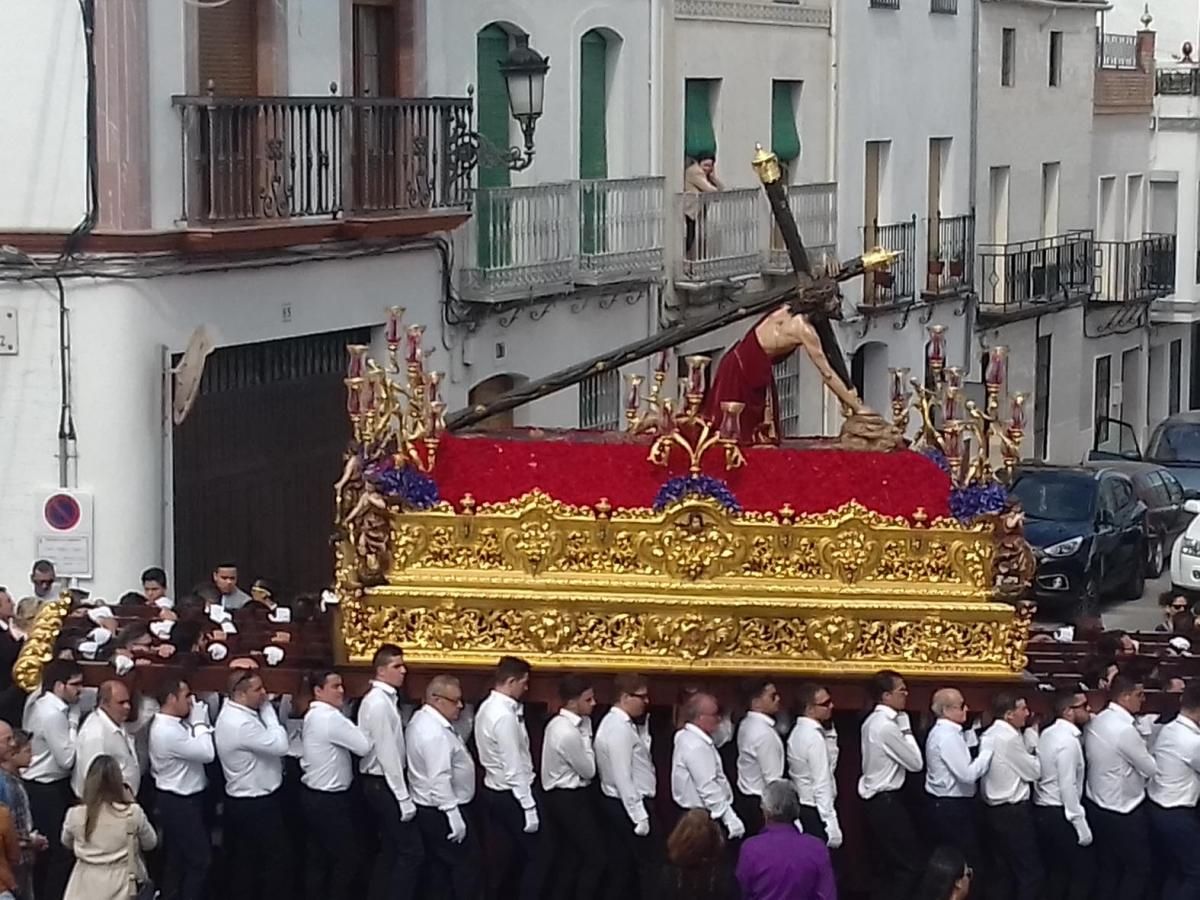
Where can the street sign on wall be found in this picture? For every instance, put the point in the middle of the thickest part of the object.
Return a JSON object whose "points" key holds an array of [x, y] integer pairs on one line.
{"points": [[63, 532]]}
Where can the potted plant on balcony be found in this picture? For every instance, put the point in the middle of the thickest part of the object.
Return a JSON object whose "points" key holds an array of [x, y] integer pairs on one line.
{"points": [[958, 266], [936, 266]]}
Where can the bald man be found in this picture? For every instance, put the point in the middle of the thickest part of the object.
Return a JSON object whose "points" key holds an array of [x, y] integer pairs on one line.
{"points": [[951, 775], [697, 777], [105, 732]]}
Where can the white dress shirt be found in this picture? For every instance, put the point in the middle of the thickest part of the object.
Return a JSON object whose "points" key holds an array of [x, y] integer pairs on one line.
{"points": [[888, 751], [98, 736], [1060, 752], [327, 740], [179, 751], [1013, 770], [949, 770], [251, 746], [503, 746], [1118, 762], [379, 719], [624, 763], [811, 769], [697, 778], [441, 772], [568, 758], [1176, 783], [760, 756], [54, 731]]}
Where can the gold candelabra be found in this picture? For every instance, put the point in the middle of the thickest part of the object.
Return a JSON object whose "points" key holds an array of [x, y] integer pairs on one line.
{"points": [[402, 416], [684, 427]]}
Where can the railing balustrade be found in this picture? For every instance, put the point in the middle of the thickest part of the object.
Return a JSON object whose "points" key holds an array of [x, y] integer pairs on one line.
{"points": [[270, 158], [1134, 271], [814, 207], [722, 237], [1014, 276], [1116, 51], [898, 283], [1182, 82], [951, 255], [621, 228]]}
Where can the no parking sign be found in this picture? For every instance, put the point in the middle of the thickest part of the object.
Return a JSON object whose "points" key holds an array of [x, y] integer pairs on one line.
{"points": [[64, 532]]}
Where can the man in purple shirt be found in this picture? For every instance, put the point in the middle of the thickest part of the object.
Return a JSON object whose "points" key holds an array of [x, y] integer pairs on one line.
{"points": [[782, 863]]}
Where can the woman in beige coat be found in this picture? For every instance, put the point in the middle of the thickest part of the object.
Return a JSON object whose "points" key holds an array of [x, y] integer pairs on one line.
{"points": [[107, 833]]}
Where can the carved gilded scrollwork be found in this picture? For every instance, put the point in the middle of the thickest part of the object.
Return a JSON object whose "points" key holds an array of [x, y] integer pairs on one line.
{"points": [[39, 646]]}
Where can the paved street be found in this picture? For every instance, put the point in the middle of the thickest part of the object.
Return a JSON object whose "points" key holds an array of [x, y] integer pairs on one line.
{"points": [[1134, 615]]}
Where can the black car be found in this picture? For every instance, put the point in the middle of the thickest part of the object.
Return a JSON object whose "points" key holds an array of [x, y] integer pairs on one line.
{"points": [[1174, 444], [1088, 531], [1166, 518]]}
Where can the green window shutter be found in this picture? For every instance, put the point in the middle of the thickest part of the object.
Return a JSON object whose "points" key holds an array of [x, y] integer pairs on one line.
{"points": [[593, 106], [492, 100], [785, 138], [698, 136]]}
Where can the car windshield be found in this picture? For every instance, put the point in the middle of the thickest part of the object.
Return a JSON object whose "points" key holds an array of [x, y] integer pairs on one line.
{"points": [[1178, 443], [1058, 496]]}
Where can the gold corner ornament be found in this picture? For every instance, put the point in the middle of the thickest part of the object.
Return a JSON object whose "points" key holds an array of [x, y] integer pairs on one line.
{"points": [[766, 165], [879, 258], [38, 649], [693, 587]]}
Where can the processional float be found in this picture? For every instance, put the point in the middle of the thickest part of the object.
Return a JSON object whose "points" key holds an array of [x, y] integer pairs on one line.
{"points": [[697, 539]]}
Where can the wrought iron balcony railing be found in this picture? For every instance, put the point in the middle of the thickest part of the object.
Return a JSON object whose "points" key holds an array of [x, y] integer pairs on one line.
{"points": [[1116, 51], [1015, 276], [1134, 271], [815, 209], [1181, 82], [270, 158], [722, 236], [899, 283], [950, 255], [621, 229]]}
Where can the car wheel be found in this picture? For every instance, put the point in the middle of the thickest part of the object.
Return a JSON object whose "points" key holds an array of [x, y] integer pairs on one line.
{"points": [[1136, 585], [1156, 558]]}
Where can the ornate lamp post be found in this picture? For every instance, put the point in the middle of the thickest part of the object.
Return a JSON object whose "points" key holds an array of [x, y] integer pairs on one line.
{"points": [[524, 74]]}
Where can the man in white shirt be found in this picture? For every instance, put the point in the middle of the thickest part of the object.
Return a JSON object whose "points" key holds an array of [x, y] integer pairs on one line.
{"points": [[697, 779], [441, 779], [398, 863], [181, 745], [1118, 767], [502, 742], [889, 751], [811, 765], [1007, 786], [760, 754], [334, 852], [1062, 826], [53, 722], [568, 770], [627, 783], [103, 733], [951, 776], [1174, 792], [251, 744]]}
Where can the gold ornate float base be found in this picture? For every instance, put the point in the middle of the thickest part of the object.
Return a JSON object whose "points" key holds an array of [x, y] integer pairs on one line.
{"points": [[690, 589]]}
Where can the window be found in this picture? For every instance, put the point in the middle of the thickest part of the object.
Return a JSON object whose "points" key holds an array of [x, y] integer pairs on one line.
{"points": [[1194, 369], [593, 106], [1056, 38], [787, 386], [945, 7], [1050, 181], [1101, 398], [600, 401], [1041, 397], [885, 4], [785, 135], [1008, 57], [1174, 375], [699, 96]]}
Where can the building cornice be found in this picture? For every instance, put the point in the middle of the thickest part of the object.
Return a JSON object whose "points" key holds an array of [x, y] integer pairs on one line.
{"points": [[755, 13]]}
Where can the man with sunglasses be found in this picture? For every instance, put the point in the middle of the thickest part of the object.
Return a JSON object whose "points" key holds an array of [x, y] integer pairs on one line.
{"points": [[760, 757], [697, 778], [627, 782], [811, 764], [53, 721], [1058, 813]]}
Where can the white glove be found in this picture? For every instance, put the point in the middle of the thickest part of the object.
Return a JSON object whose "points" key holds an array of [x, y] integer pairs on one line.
{"points": [[123, 664], [531, 820], [903, 723], [733, 825], [273, 655], [1084, 833], [458, 828], [642, 828], [217, 652], [408, 809], [833, 832], [199, 714]]}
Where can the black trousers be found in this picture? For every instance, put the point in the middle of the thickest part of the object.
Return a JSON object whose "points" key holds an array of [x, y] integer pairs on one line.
{"points": [[811, 822], [259, 853], [186, 845], [749, 809], [953, 822], [48, 805], [1015, 866], [1178, 831], [635, 863], [579, 853], [1069, 868], [397, 868], [1123, 857], [451, 870], [334, 849], [899, 858], [523, 863]]}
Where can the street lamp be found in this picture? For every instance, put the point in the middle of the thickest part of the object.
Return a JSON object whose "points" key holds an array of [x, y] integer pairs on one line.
{"points": [[525, 80]]}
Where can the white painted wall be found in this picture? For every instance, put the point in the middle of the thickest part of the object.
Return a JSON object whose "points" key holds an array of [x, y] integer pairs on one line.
{"points": [[43, 160], [314, 48]]}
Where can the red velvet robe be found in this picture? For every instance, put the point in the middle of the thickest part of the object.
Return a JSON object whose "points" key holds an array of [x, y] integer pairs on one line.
{"points": [[746, 375]]}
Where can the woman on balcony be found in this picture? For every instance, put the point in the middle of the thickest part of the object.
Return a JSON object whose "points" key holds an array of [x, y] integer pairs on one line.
{"points": [[699, 177]]}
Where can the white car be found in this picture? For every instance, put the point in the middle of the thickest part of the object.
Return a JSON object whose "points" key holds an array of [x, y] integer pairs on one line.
{"points": [[1185, 555]]}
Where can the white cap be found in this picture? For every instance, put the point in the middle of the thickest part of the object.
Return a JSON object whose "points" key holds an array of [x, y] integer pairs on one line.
{"points": [[273, 655]]}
